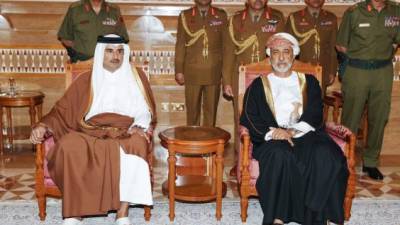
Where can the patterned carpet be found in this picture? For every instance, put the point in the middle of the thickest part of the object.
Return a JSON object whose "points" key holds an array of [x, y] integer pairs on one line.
{"points": [[365, 212], [376, 203], [18, 184]]}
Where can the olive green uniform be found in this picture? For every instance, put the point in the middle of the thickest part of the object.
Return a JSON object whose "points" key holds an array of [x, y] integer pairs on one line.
{"points": [[369, 36], [317, 37], [241, 28], [200, 60], [82, 26]]}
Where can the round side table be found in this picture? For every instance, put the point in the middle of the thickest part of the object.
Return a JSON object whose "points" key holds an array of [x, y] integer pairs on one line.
{"points": [[31, 99], [195, 141]]}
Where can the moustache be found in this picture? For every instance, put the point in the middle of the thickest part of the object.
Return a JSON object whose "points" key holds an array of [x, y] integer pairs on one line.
{"points": [[115, 61]]}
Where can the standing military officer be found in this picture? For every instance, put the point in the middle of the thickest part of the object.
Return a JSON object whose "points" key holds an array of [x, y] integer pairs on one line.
{"points": [[198, 59], [316, 30], [248, 32], [84, 22], [366, 37]]}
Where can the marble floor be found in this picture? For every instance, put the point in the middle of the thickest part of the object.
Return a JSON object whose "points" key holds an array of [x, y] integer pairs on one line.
{"points": [[17, 176]]}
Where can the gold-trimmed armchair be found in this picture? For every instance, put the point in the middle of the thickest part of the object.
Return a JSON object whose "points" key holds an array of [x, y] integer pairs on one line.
{"points": [[248, 168], [44, 185]]}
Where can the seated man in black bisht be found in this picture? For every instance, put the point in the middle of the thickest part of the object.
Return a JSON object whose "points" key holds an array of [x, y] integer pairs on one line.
{"points": [[303, 173]]}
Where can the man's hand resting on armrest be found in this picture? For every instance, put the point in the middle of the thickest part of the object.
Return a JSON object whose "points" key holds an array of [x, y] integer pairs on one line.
{"points": [[140, 131], [37, 135]]}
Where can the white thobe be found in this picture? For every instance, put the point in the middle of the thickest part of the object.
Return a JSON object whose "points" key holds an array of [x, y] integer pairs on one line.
{"points": [[286, 96], [135, 184]]}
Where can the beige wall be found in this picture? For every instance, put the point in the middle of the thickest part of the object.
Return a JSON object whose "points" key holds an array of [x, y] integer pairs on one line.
{"points": [[34, 24]]}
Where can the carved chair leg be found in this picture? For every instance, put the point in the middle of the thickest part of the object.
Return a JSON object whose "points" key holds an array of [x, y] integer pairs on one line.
{"points": [[244, 204], [350, 192], [147, 212], [42, 207], [40, 189]]}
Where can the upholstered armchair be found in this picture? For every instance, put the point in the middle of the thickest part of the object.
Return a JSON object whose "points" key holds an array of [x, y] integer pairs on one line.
{"points": [[335, 101], [44, 185], [248, 168]]}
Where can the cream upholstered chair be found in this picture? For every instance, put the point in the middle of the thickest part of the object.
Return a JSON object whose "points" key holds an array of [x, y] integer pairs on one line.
{"points": [[44, 185], [248, 168]]}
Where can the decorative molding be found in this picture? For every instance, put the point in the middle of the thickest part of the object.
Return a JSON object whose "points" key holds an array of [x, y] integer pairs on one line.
{"points": [[27, 60], [53, 60], [160, 62], [218, 2]]}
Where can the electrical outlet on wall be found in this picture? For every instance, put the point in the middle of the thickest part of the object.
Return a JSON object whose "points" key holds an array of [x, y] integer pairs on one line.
{"points": [[165, 107], [177, 106]]}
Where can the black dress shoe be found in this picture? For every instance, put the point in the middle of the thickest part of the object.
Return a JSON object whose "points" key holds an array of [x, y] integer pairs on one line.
{"points": [[373, 172]]}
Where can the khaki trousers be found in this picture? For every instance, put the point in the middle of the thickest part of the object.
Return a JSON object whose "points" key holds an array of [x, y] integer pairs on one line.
{"points": [[374, 88], [201, 95]]}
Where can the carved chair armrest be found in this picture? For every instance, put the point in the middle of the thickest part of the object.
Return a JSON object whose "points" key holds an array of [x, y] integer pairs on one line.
{"points": [[150, 132], [337, 94], [39, 156], [245, 139], [243, 131], [41, 153], [344, 133]]}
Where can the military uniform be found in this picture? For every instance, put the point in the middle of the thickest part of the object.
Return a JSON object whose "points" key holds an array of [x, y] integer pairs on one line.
{"points": [[198, 55], [369, 36], [317, 38], [82, 26], [245, 44]]}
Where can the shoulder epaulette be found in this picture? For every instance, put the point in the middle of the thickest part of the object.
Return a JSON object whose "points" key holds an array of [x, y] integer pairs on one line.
{"points": [[188, 10], [393, 3], [239, 12], [222, 11], [329, 13], [111, 5], [297, 13], [354, 7], [219, 9], [76, 4], [276, 12]]}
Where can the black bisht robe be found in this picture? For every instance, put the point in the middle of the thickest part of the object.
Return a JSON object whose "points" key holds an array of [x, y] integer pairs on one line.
{"points": [[305, 183]]}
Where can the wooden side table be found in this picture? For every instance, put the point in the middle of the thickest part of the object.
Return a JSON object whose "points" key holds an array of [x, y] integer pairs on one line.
{"points": [[195, 141], [31, 99]]}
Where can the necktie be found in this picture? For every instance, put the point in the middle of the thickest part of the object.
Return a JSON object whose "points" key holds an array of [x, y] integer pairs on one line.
{"points": [[203, 14], [255, 19], [315, 17]]}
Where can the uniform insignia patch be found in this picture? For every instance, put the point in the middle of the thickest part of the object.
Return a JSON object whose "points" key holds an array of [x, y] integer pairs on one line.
{"points": [[392, 21], [304, 23], [268, 28], [364, 25], [215, 22], [109, 22], [273, 21], [326, 23]]}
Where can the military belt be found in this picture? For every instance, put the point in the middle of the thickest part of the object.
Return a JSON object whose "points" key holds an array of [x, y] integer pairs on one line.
{"points": [[76, 56], [369, 64]]}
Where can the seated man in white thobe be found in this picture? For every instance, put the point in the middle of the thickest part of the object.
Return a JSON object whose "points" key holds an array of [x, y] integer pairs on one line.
{"points": [[101, 129], [303, 173]]}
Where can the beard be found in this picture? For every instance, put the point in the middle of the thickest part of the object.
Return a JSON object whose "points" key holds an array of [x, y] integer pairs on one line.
{"points": [[282, 69]]}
